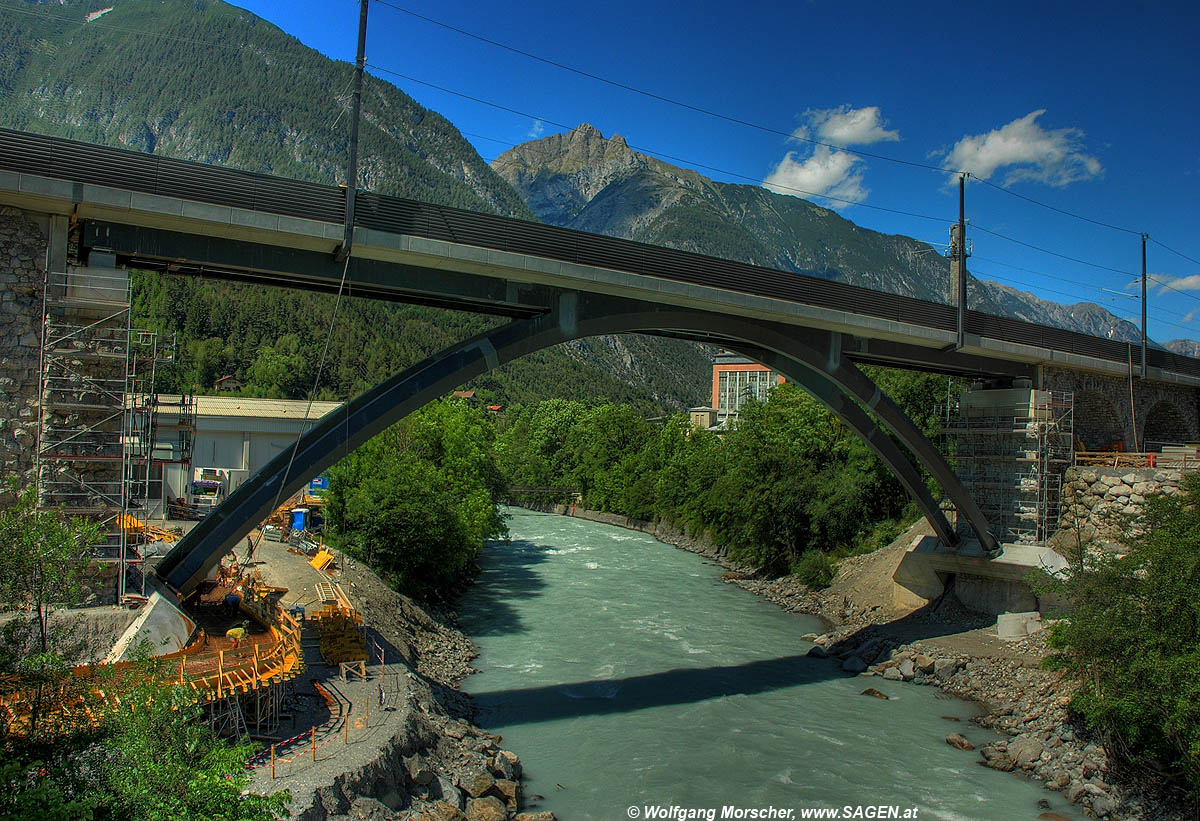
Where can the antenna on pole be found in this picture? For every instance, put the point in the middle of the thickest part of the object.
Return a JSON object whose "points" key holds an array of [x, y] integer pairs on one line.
{"points": [[360, 63]]}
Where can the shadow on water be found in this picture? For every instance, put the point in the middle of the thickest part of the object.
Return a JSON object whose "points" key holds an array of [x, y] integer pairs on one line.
{"points": [[506, 579], [626, 695]]}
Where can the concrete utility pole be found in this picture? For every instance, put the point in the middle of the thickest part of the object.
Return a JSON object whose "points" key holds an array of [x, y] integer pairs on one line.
{"points": [[958, 263], [1144, 238], [360, 64]]}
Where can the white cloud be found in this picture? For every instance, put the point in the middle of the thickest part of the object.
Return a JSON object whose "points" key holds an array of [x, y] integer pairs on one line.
{"points": [[847, 126], [1054, 156], [827, 173], [1190, 315], [1168, 282], [536, 130]]}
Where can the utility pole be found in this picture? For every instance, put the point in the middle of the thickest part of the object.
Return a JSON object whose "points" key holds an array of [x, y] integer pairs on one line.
{"points": [[1144, 238], [360, 64], [958, 263]]}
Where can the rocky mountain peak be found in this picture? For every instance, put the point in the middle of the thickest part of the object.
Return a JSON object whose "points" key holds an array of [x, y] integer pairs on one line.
{"points": [[582, 163]]}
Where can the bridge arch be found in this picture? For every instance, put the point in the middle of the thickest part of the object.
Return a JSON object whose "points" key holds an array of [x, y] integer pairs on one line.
{"points": [[1098, 421], [1165, 425], [812, 359]]}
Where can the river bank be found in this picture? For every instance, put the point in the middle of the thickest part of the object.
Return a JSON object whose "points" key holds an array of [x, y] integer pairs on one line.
{"points": [[946, 646], [422, 758]]}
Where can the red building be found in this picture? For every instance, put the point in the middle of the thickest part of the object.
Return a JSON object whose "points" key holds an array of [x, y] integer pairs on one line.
{"points": [[736, 380]]}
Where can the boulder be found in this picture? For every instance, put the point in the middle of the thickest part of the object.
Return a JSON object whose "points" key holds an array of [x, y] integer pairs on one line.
{"points": [[420, 772], [999, 762], [501, 767], [544, 815], [1103, 806], [477, 784], [1025, 751], [924, 663], [487, 808], [443, 788], [958, 742], [509, 790], [907, 669], [368, 809], [893, 674], [945, 668], [817, 652], [871, 691], [441, 811]]}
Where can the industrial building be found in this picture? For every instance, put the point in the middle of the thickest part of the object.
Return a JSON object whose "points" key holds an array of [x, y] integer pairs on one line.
{"points": [[231, 437], [737, 380]]}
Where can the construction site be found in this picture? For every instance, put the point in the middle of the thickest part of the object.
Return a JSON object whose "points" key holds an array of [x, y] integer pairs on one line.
{"points": [[244, 640]]}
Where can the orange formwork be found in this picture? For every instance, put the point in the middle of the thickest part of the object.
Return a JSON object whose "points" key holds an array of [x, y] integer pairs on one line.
{"points": [[210, 672]]}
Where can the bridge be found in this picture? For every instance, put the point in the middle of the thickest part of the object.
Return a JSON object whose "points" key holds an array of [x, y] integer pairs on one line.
{"points": [[122, 208]]}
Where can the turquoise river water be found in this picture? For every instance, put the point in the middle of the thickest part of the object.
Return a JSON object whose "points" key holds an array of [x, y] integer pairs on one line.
{"points": [[628, 677]]}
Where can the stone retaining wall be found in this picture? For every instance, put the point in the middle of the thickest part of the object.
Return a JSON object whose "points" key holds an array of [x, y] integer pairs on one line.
{"points": [[1103, 502], [22, 262]]}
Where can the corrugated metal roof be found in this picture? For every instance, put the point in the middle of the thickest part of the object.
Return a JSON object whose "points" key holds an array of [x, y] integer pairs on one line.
{"points": [[249, 407]]}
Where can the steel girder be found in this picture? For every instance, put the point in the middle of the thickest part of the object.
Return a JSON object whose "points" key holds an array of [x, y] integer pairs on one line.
{"points": [[819, 368]]}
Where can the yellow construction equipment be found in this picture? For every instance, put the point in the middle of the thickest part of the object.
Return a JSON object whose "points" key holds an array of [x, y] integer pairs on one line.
{"points": [[323, 559]]}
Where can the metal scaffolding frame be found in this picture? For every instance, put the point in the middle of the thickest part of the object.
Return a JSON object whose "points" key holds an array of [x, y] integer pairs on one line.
{"points": [[96, 410], [1011, 457]]}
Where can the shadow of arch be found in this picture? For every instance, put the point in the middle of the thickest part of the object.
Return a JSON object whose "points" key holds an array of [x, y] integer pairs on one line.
{"points": [[1098, 422], [1165, 425], [812, 359]]}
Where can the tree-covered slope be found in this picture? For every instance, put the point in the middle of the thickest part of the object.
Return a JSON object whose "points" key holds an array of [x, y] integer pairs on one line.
{"points": [[203, 80]]}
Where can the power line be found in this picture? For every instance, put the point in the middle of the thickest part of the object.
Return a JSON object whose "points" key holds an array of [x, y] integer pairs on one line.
{"points": [[979, 227], [659, 97], [1173, 251], [738, 120], [651, 151], [1055, 208]]}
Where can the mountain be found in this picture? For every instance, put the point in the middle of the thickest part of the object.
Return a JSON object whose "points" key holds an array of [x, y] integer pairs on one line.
{"points": [[586, 181], [206, 81], [1187, 347]]}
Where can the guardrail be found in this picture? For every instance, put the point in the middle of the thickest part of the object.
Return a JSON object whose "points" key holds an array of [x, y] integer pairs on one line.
{"points": [[1116, 459]]}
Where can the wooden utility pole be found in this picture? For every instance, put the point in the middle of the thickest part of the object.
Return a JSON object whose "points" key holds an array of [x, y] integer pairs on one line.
{"points": [[360, 64]]}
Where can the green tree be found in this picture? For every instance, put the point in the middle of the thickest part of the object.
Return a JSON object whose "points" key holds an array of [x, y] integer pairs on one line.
{"points": [[1132, 637], [417, 502]]}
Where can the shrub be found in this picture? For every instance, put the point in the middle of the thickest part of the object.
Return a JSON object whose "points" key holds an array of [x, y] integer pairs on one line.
{"points": [[816, 569]]}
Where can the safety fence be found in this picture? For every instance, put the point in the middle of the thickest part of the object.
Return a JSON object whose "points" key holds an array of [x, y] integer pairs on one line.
{"points": [[83, 698], [1184, 462]]}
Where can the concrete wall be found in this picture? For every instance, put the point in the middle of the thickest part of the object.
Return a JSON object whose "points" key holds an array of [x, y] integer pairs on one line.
{"points": [[22, 271]]}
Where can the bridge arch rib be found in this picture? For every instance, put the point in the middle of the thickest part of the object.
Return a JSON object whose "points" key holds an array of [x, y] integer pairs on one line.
{"points": [[812, 359]]}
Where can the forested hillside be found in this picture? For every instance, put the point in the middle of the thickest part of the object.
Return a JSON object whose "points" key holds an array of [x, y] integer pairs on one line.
{"points": [[206, 81]]}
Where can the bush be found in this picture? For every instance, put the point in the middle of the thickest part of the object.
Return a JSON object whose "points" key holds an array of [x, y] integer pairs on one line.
{"points": [[1133, 640], [816, 569]]}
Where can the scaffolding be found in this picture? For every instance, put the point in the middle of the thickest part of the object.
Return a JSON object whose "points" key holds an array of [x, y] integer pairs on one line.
{"points": [[1011, 448], [96, 410]]}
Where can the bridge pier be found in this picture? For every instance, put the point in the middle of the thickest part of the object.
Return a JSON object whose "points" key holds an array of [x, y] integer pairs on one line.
{"points": [[24, 249]]}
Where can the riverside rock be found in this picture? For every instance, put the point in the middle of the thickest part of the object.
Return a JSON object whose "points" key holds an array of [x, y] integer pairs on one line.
{"points": [[487, 808], [1025, 751], [854, 664], [957, 741]]}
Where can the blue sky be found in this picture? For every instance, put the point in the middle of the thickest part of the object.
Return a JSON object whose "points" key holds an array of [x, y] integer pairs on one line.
{"points": [[1089, 108]]}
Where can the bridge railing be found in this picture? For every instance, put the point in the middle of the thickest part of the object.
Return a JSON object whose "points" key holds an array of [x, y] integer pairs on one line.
{"points": [[1184, 462]]}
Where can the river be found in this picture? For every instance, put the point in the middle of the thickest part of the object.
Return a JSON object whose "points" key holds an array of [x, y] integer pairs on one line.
{"points": [[626, 674]]}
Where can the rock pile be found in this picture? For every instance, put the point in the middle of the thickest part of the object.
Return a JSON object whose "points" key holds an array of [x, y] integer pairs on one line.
{"points": [[1102, 502]]}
